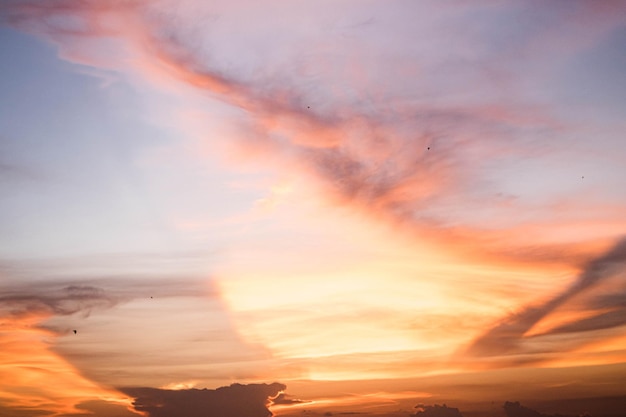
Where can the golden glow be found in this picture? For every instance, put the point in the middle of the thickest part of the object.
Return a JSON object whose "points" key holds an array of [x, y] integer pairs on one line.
{"points": [[33, 377], [180, 385], [370, 401], [389, 295], [611, 349]]}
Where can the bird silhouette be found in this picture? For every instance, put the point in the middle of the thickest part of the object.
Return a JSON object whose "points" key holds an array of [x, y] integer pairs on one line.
{"points": [[74, 331]]}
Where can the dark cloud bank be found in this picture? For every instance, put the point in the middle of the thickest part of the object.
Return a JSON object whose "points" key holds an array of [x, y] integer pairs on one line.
{"points": [[437, 411], [590, 407], [252, 400], [236, 400]]}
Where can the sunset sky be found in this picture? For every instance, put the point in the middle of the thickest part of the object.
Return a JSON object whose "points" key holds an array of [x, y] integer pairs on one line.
{"points": [[376, 204]]}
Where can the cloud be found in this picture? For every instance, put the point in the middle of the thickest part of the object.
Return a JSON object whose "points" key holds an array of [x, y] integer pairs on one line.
{"points": [[35, 381], [23, 412], [507, 337], [437, 411], [62, 301], [81, 285], [101, 408], [515, 409], [182, 320], [284, 399], [66, 297], [33, 315], [599, 321], [235, 400], [583, 406], [26, 358], [406, 160]]}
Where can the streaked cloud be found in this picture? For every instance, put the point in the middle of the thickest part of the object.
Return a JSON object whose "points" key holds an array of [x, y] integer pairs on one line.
{"points": [[511, 336], [37, 381]]}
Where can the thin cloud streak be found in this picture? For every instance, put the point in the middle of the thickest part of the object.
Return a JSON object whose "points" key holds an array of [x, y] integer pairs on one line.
{"points": [[507, 337], [24, 297]]}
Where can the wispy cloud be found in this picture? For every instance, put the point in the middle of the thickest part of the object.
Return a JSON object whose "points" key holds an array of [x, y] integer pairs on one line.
{"points": [[65, 301], [408, 160], [37, 381], [510, 337]]}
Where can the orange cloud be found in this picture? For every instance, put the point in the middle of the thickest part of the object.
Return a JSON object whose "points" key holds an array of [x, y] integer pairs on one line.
{"points": [[514, 336], [36, 380]]}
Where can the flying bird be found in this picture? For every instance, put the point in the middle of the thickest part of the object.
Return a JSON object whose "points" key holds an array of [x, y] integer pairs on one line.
{"points": [[74, 331]]}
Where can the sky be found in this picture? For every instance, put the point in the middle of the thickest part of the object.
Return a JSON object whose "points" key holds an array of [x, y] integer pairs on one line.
{"points": [[345, 206]]}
